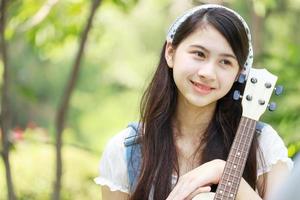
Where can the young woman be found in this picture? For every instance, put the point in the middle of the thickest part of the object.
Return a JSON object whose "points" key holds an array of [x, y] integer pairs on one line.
{"points": [[189, 118]]}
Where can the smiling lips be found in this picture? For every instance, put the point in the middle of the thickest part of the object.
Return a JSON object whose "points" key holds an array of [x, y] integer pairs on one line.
{"points": [[201, 88]]}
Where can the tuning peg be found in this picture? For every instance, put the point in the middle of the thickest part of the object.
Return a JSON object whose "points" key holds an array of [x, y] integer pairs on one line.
{"points": [[278, 90], [242, 78], [272, 106], [236, 95]]}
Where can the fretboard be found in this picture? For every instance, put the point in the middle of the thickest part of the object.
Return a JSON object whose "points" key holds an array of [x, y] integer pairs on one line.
{"points": [[235, 164]]}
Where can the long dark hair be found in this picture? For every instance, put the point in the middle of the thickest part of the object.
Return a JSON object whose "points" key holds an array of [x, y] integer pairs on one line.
{"points": [[158, 105]]}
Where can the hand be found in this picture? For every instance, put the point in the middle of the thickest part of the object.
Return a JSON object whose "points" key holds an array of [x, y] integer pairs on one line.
{"points": [[198, 180]]}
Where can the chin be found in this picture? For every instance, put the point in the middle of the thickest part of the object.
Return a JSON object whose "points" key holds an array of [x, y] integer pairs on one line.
{"points": [[201, 103]]}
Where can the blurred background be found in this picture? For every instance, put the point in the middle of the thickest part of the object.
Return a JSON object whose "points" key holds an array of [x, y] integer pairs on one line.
{"points": [[122, 50]]}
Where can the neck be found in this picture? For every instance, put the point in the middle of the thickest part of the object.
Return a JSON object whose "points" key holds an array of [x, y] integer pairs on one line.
{"points": [[192, 121]]}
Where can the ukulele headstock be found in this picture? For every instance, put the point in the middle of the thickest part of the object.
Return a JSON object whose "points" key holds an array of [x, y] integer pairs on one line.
{"points": [[259, 88]]}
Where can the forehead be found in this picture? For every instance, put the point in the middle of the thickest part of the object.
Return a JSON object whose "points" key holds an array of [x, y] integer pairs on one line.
{"points": [[209, 37]]}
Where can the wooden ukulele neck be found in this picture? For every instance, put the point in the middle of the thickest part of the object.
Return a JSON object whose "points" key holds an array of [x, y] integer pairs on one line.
{"points": [[236, 161]]}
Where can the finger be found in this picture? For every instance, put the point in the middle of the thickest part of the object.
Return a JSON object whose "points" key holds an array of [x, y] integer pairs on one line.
{"points": [[180, 191], [176, 193], [186, 187], [199, 190]]}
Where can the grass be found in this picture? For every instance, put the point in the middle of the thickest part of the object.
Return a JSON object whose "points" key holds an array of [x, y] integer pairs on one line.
{"points": [[33, 167]]}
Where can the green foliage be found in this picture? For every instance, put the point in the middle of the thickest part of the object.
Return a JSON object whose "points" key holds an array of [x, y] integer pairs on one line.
{"points": [[262, 6], [119, 59], [293, 149], [280, 55], [32, 169], [282, 58], [125, 5]]}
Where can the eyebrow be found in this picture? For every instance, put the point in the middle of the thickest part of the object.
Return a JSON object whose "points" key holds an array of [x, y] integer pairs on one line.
{"points": [[206, 50]]}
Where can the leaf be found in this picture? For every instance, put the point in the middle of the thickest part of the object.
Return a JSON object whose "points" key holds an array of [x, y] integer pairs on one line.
{"points": [[125, 5]]}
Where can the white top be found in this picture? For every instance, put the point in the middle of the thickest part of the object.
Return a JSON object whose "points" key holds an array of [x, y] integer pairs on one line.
{"points": [[113, 168]]}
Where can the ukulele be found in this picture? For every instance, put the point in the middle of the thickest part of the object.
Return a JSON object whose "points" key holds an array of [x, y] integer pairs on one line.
{"points": [[258, 90]]}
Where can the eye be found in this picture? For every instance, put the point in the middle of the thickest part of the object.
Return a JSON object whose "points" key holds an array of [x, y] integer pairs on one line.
{"points": [[226, 62], [199, 54]]}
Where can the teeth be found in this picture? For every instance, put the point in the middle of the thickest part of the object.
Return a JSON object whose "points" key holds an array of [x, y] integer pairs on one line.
{"points": [[200, 85], [195, 83]]}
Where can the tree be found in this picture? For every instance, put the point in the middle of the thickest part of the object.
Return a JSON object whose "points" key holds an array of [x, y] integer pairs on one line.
{"points": [[63, 107], [5, 107]]}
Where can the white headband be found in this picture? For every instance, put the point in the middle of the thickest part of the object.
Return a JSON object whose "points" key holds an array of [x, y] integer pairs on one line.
{"points": [[181, 19]]}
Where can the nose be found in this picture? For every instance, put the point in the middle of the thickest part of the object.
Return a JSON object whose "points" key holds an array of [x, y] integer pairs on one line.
{"points": [[207, 71]]}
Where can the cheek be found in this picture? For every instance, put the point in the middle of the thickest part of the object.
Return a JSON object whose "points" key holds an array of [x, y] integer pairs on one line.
{"points": [[182, 74], [179, 76], [227, 81], [182, 68], [184, 65]]}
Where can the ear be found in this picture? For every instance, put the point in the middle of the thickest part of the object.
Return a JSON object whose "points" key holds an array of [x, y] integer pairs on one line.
{"points": [[169, 54]]}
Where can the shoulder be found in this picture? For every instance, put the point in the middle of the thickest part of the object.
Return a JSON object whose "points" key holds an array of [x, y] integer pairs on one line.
{"points": [[114, 155], [268, 135], [271, 149], [115, 146], [117, 141]]}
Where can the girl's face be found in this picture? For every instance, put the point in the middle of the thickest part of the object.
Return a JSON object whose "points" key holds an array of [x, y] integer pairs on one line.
{"points": [[204, 66]]}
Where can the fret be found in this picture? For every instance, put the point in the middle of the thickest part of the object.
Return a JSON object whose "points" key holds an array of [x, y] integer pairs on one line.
{"points": [[237, 157], [246, 137], [242, 146], [233, 165], [230, 177], [236, 160], [235, 150], [243, 143], [228, 184], [249, 128], [241, 150], [239, 154], [247, 132], [225, 194]]}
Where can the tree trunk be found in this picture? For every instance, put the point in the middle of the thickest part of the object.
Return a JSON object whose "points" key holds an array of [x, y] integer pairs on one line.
{"points": [[63, 107], [257, 26], [5, 107]]}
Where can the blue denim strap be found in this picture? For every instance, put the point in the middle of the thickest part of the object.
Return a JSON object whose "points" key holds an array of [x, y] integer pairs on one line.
{"points": [[133, 155], [259, 126]]}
